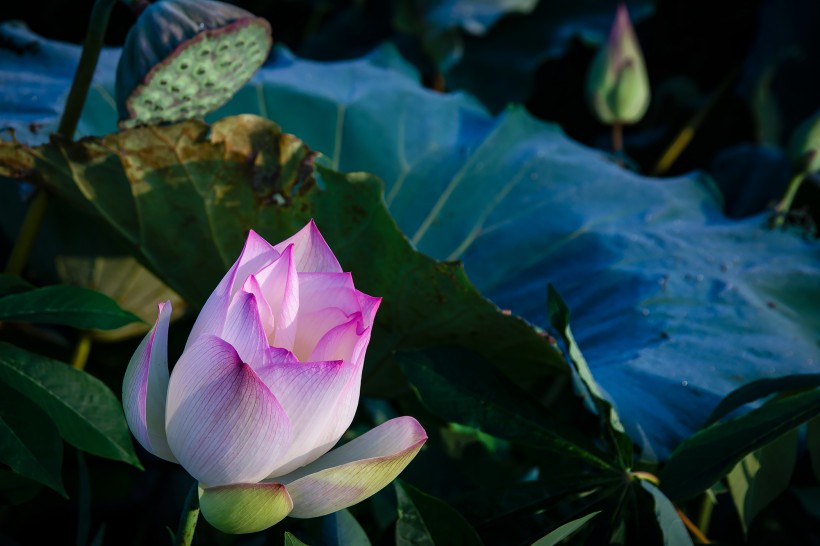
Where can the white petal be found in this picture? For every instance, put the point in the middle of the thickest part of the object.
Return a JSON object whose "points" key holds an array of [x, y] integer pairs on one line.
{"points": [[223, 423], [280, 285], [351, 473], [145, 387], [310, 393], [244, 331]]}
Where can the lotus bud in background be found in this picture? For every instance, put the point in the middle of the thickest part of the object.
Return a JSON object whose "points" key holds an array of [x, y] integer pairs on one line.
{"points": [[185, 58], [804, 145], [267, 384], [617, 84]]}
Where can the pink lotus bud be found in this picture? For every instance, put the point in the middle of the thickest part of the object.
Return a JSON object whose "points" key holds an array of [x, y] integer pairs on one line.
{"points": [[804, 145], [617, 83], [267, 384]]}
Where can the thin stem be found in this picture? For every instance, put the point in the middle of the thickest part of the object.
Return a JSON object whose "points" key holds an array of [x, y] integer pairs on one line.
{"points": [[85, 70], [693, 529], [687, 133], [68, 124], [782, 208], [188, 517], [28, 233], [81, 350], [705, 516], [618, 141]]}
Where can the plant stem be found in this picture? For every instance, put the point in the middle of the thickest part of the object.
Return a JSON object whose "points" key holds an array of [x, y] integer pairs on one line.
{"points": [[28, 233], [81, 350], [85, 70], [68, 124], [685, 135], [188, 517], [782, 208], [693, 529], [705, 516], [618, 141]]}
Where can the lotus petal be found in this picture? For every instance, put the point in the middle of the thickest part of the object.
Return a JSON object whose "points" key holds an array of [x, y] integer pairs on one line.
{"points": [[145, 386], [280, 284], [310, 393], [311, 251], [245, 507], [351, 473], [256, 254], [244, 331], [223, 423]]}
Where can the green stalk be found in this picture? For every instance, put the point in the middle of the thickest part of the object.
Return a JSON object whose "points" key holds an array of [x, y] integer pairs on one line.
{"points": [[188, 518], [782, 208], [618, 142], [81, 350], [705, 515], [68, 124]]}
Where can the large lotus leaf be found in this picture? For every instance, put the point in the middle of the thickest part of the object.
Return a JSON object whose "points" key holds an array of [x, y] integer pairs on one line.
{"points": [[207, 186], [474, 16], [673, 305]]}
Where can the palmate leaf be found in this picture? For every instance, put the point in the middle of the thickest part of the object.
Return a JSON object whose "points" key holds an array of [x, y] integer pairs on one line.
{"points": [[210, 185], [426, 520], [710, 454], [673, 304]]}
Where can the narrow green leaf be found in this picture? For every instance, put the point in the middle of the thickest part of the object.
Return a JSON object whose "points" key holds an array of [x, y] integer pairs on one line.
{"points": [[459, 386], [30, 444], [709, 454], [761, 389], [410, 527], [12, 284], [564, 531], [87, 414], [291, 540], [761, 476], [63, 304], [341, 529], [586, 386], [674, 531], [17, 489], [424, 519], [813, 441]]}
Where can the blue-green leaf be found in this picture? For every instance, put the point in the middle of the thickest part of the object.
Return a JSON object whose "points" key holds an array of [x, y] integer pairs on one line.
{"points": [[674, 305]]}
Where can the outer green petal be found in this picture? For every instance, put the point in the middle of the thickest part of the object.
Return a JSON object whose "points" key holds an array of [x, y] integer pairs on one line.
{"points": [[245, 507], [351, 473]]}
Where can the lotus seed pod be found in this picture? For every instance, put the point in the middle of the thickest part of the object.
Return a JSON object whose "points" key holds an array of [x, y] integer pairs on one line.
{"points": [[804, 145], [617, 83], [185, 58]]}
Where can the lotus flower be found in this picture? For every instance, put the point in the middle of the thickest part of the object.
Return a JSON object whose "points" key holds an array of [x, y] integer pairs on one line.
{"points": [[617, 83], [268, 382]]}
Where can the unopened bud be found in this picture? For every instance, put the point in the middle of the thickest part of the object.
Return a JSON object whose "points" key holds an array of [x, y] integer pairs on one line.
{"points": [[804, 145], [617, 83]]}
